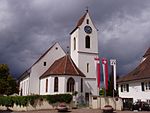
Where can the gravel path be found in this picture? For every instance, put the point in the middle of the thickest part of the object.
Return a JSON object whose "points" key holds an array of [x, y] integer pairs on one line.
{"points": [[84, 110]]}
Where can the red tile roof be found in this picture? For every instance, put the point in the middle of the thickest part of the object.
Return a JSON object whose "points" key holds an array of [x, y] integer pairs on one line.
{"points": [[147, 53], [63, 66], [142, 71]]}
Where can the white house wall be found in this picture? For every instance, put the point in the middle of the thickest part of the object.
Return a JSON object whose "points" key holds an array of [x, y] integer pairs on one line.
{"points": [[135, 92], [24, 86], [38, 69]]}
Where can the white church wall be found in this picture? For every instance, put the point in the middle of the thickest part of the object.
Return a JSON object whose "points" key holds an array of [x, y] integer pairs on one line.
{"points": [[83, 56], [73, 51], [91, 86], [38, 69], [135, 92], [61, 85], [24, 86], [43, 86], [91, 74], [93, 36]]}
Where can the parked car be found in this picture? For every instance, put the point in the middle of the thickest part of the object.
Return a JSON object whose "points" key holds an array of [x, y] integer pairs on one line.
{"points": [[140, 106], [62, 107]]}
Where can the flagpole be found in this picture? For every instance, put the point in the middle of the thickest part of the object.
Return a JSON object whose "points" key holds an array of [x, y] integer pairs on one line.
{"points": [[104, 80], [113, 63]]}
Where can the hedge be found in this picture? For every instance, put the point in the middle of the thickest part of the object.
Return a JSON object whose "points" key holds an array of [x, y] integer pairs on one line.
{"points": [[9, 101]]}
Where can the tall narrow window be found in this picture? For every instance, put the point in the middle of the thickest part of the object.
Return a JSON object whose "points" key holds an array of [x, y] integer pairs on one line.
{"points": [[87, 21], [87, 42], [81, 85], [87, 67], [70, 85], [44, 63], [46, 90], [74, 43], [56, 84]]}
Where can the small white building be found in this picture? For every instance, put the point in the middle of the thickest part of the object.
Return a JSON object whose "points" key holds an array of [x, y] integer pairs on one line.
{"points": [[56, 72], [135, 86]]}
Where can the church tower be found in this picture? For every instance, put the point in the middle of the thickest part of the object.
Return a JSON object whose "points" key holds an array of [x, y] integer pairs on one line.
{"points": [[84, 48]]}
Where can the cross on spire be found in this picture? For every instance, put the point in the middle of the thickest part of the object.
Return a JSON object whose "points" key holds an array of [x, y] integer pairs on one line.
{"points": [[87, 9]]}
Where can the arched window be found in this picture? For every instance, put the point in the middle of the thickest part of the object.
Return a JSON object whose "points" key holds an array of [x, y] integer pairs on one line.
{"points": [[87, 21], [87, 67], [74, 40], [81, 85], [70, 85], [87, 42], [46, 88], [56, 84]]}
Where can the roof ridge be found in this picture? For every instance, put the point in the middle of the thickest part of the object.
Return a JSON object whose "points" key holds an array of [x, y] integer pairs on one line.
{"points": [[65, 65]]}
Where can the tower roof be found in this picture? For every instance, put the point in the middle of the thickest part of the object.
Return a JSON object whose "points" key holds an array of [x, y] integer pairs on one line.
{"points": [[63, 66], [80, 21]]}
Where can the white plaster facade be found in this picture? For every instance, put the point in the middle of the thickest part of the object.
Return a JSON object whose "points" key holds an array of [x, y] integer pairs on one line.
{"points": [[135, 91], [62, 84], [83, 56], [54, 53], [24, 86], [38, 69]]}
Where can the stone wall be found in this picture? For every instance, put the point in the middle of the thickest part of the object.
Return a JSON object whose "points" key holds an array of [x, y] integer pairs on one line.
{"points": [[98, 102], [39, 105]]}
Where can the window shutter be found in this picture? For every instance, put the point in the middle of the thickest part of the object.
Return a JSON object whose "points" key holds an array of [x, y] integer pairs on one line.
{"points": [[127, 85], [142, 86], [121, 88]]}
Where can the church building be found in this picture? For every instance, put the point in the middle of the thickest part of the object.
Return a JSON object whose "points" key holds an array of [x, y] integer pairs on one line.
{"points": [[57, 72]]}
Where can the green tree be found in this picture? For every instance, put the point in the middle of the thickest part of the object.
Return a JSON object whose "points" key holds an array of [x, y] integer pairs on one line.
{"points": [[8, 84]]}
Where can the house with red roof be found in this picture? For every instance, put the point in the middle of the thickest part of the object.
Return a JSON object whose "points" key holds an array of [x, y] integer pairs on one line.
{"points": [[56, 72], [135, 86]]}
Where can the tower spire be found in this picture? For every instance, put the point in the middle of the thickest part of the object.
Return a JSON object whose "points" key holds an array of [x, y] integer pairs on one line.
{"points": [[87, 9]]}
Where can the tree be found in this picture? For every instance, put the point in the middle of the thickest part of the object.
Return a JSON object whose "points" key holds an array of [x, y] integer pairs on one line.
{"points": [[8, 84]]}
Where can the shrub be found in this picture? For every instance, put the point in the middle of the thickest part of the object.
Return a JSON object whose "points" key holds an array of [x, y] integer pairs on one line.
{"points": [[9, 101]]}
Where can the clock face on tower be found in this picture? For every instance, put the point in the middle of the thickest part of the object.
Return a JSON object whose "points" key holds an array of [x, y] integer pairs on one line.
{"points": [[88, 29]]}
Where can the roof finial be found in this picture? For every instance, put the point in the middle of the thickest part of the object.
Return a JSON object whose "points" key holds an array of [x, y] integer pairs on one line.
{"points": [[68, 50], [87, 9]]}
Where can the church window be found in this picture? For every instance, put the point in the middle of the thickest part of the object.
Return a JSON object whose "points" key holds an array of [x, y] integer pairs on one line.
{"points": [[87, 42], [46, 90], [56, 84], [87, 21], [44, 63], [74, 43], [81, 85], [70, 85], [87, 67]]}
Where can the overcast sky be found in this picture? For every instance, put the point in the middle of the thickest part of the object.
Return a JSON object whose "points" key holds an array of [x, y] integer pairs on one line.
{"points": [[29, 27]]}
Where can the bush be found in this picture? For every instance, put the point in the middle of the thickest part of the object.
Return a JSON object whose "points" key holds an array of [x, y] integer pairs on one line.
{"points": [[9, 101], [58, 98]]}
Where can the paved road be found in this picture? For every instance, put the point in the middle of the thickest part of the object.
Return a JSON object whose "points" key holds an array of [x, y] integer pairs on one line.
{"points": [[77, 111]]}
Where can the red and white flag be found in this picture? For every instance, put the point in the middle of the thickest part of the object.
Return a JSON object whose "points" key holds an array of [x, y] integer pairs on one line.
{"points": [[105, 72], [98, 71]]}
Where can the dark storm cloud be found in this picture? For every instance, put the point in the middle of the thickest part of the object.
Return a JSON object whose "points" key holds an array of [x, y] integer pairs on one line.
{"points": [[29, 27]]}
